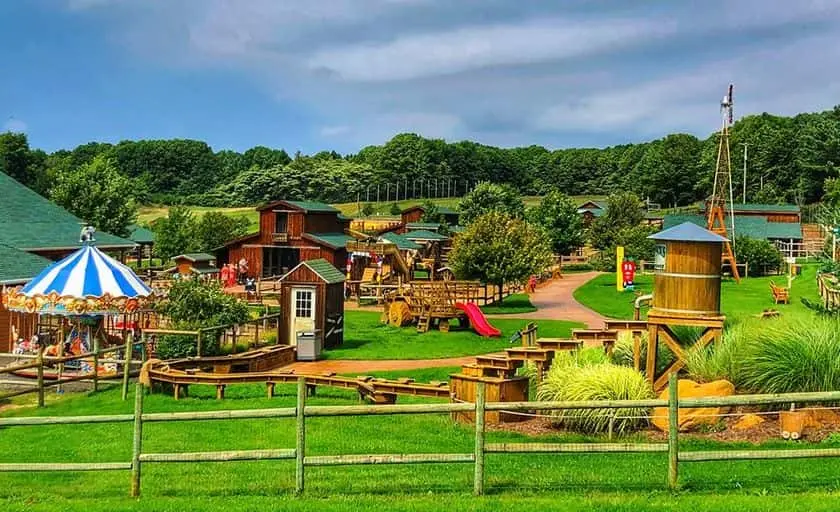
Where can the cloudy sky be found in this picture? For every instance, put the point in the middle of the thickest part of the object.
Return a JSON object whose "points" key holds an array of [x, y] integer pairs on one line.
{"points": [[341, 74]]}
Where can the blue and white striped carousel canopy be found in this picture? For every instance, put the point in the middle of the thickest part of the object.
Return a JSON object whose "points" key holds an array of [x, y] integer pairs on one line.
{"points": [[87, 272]]}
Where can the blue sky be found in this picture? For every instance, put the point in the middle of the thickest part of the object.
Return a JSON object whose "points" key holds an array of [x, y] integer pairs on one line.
{"points": [[340, 74]]}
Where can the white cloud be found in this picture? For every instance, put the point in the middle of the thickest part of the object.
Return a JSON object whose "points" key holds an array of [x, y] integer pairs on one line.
{"points": [[15, 125], [428, 54], [332, 131]]}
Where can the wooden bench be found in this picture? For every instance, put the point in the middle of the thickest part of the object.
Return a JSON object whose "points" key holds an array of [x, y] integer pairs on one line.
{"points": [[781, 295]]}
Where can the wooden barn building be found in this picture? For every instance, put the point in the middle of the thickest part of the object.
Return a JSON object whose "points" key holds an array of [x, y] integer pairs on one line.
{"points": [[290, 232], [414, 215], [312, 296], [783, 213]]}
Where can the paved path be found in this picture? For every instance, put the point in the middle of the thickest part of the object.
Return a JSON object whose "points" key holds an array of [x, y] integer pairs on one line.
{"points": [[554, 301]]}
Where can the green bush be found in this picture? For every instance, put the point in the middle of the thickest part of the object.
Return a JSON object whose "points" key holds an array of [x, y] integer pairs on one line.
{"points": [[577, 267], [194, 304], [721, 360], [793, 356], [571, 380], [761, 256], [622, 353]]}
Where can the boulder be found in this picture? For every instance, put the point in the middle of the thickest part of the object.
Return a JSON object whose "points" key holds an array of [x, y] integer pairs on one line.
{"points": [[689, 418], [748, 421]]}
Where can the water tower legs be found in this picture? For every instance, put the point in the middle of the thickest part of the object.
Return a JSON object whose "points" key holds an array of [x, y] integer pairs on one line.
{"points": [[659, 329]]}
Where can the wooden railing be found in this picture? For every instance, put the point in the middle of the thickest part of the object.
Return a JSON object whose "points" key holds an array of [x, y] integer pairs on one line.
{"points": [[829, 291], [229, 335], [39, 362], [476, 457]]}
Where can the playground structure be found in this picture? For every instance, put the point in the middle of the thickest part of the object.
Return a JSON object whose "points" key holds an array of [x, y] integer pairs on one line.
{"points": [[436, 303]]}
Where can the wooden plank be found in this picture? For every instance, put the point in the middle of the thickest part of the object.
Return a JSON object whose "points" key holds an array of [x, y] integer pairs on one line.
{"points": [[413, 458], [219, 456], [705, 456], [673, 431], [478, 452], [582, 404], [74, 466], [576, 447], [65, 420], [364, 410], [280, 412]]}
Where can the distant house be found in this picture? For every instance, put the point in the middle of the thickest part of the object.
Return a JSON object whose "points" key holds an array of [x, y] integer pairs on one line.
{"points": [[196, 263], [770, 212], [591, 210], [290, 232], [415, 214], [752, 226], [145, 240]]}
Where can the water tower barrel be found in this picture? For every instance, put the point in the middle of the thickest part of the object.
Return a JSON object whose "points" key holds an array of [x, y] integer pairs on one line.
{"points": [[689, 281]]}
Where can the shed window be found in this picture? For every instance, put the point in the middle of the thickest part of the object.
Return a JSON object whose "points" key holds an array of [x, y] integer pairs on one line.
{"points": [[303, 303], [281, 222]]}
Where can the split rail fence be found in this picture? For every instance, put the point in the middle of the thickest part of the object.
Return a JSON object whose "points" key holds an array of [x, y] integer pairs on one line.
{"points": [[476, 457]]}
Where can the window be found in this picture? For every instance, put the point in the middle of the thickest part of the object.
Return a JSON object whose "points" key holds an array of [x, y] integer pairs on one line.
{"points": [[303, 303], [281, 222]]}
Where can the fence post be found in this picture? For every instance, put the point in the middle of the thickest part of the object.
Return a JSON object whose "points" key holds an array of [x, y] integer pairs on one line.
{"points": [[41, 375], [137, 443], [126, 364], [300, 444], [673, 432], [478, 480], [198, 344], [96, 363]]}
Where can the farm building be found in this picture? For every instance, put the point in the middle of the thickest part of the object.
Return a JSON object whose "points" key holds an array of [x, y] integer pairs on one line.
{"points": [[415, 214], [197, 263], [780, 213], [787, 236], [590, 210], [313, 299], [290, 232]]}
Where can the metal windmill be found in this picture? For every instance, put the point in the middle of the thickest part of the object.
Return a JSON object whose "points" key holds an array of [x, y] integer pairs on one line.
{"points": [[722, 196]]}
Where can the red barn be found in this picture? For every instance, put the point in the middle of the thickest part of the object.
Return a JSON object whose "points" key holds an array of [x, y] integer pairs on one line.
{"points": [[290, 232]]}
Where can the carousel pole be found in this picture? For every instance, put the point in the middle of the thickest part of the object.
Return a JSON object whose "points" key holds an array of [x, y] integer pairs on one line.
{"points": [[60, 389], [127, 364], [95, 361], [40, 375]]}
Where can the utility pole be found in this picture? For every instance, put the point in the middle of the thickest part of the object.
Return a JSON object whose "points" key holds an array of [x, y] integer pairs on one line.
{"points": [[745, 172]]}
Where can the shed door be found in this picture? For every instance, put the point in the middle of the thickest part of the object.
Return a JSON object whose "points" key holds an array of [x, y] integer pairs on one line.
{"points": [[302, 308]]}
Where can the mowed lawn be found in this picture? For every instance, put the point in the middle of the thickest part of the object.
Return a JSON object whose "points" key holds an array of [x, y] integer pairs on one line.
{"points": [[738, 300], [147, 214], [624, 482], [365, 337]]}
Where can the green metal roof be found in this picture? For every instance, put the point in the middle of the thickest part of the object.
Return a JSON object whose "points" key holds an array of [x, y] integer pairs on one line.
{"points": [[195, 257], [416, 226], [332, 240], [17, 266], [31, 222], [424, 235], [314, 206], [141, 235], [596, 212], [760, 207], [324, 269], [402, 243], [443, 210], [754, 227]]}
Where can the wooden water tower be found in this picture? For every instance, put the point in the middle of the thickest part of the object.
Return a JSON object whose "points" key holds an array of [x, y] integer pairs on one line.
{"points": [[686, 291]]}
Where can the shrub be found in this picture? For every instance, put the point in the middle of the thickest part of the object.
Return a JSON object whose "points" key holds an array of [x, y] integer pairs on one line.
{"points": [[622, 353], [395, 209], [761, 256], [793, 356], [570, 380], [721, 360]]}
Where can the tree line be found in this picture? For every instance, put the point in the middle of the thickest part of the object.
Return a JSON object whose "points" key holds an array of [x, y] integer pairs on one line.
{"points": [[790, 158]]}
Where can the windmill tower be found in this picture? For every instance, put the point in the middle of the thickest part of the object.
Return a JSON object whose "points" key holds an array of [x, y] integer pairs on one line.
{"points": [[722, 197]]}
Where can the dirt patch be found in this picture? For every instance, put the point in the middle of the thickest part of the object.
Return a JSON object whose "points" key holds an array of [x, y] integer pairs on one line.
{"points": [[722, 431]]}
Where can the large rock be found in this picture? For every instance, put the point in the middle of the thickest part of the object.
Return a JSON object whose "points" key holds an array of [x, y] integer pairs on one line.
{"points": [[689, 418], [748, 421]]}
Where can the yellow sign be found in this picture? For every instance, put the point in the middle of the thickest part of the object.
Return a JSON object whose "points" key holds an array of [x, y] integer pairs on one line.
{"points": [[619, 259]]}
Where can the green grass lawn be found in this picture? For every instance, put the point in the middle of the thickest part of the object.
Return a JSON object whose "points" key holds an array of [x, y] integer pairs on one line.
{"points": [[750, 297], [511, 305], [149, 213], [366, 338], [634, 482]]}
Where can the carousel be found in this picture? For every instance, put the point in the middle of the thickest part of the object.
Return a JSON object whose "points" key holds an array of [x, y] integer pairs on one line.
{"points": [[84, 302]]}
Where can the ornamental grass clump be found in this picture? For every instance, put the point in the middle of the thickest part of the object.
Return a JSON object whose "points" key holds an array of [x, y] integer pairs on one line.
{"points": [[792, 356], [570, 380], [724, 359]]}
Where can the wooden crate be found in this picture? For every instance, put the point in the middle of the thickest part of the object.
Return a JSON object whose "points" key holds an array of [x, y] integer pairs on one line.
{"points": [[515, 389]]}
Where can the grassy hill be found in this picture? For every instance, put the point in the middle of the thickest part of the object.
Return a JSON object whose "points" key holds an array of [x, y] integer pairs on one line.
{"points": [[149, 213]]}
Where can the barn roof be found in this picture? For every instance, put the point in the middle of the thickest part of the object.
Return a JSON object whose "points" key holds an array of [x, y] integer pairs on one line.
{"points": [[688, 232], [331, 240], [141, 235], [424, 235], [195, 257], [18, 266], [322, 268], [402, 243], [31, 222], [307, 206], [417, 226], [753, 227]]}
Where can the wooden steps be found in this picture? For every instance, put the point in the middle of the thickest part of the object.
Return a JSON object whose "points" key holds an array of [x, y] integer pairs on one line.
{"points": [[529, 354], [559, 344], [498, 361], [607, 337]]}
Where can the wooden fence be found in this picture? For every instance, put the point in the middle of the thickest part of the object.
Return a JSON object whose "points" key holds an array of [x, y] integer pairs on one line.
{"points": [[40, 361], [476, 457], [229, 335]]}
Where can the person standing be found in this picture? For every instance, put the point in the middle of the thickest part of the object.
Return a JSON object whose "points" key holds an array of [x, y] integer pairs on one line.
{"points": [[243, 270], [224, 275]]}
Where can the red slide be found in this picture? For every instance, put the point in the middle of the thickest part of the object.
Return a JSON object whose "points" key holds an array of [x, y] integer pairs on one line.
{"points": [[478, 320]]}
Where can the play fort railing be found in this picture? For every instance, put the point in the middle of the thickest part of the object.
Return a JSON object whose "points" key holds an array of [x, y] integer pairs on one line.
{"points": [[476, 457]]}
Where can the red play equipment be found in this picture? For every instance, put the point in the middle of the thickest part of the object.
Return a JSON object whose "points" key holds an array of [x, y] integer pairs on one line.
{"points": [[478, 320]]}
